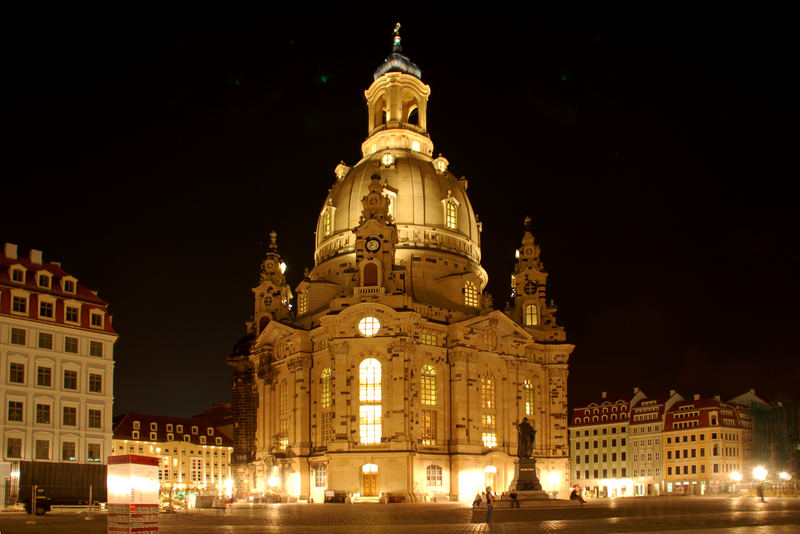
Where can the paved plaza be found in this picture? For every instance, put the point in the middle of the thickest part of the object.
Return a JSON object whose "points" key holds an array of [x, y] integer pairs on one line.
{"points": [[656, 515]]}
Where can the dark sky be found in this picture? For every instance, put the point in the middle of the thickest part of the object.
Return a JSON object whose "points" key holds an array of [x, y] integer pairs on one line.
{"points": [[151, 152]]}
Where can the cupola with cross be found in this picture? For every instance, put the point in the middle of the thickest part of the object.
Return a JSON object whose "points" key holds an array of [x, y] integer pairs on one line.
{"points": [[529, 289], [272, 295]]}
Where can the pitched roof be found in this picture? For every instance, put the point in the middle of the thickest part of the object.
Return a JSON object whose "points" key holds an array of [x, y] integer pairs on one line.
{"points": [[123, 428]]}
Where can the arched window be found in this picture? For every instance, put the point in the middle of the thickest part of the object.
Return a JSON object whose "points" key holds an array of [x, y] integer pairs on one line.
{"points": [[369, 395], [326, 406], [489, 411], [531, 315], [283, 416], [302, 302], [370, 274], [470, 294], [433, 475], [428, 383], [527, 397], [450, 215], [326, 380]]}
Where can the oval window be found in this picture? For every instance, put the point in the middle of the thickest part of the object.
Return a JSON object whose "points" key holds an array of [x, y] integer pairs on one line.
{"points": [[369, 326]]}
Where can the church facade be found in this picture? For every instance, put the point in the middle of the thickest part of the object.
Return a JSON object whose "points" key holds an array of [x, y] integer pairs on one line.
{"points": [[393, 377]]}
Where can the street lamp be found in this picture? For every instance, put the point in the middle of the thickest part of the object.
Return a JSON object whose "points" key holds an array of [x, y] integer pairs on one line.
{"points": [[736, 476], [785, 476], [760, 473]]}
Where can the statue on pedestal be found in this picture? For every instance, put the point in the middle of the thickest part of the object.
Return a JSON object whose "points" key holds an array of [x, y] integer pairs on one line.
{"points": [[526, 437]]}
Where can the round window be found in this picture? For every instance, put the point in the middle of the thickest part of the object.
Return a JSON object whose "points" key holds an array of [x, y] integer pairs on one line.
{"points": [[387, 160], [369, 326]]}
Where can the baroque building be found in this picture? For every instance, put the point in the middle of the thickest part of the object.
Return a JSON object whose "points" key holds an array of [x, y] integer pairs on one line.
{"points": [[394, 377], [57, 360]]}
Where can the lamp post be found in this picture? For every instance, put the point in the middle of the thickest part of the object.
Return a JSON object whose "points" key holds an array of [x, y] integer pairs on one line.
{"points": [[736, 476], [760, 474]]}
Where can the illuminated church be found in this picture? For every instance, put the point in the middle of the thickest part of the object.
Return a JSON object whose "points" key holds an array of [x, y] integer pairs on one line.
{"points": [[393, 378]]}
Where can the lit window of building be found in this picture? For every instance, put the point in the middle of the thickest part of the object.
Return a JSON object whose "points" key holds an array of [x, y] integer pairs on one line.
{"points": [[428, 383], [489, 411], [369, 326], [433, 475], [531, 315], [450, 215], [370, 401], [527, 397], [471, 294]]}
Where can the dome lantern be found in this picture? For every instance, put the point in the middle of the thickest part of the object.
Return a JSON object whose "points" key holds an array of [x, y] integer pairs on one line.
{"points": [[397, 103]]}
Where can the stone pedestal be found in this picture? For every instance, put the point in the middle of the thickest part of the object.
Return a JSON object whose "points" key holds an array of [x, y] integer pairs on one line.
{"points": [[525, 480]]}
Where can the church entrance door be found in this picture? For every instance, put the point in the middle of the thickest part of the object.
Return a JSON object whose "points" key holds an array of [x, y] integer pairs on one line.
{"points": [[370, 484]]}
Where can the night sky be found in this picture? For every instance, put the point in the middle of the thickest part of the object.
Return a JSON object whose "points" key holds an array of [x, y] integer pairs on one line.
{"points": [[151, 153]]}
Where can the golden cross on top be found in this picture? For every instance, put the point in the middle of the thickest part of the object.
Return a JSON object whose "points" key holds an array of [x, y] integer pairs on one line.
{"points": [[396, 34]]}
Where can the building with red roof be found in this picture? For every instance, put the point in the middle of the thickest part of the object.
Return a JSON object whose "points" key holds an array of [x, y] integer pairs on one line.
{"points": [[193, 453], [57, 361]]}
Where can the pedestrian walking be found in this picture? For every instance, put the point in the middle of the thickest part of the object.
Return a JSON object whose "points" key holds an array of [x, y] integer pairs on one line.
{"points": [[489, 504], [513, 496], [761, 492]]}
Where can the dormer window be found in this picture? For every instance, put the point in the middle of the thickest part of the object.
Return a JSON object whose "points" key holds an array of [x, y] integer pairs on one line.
{"points": [[202, 439], [46, 309], [68, 285], [450, 215], [187, 437], [153, 436], [43, 280], [195, 430], [97, 319], [169, 427], [327, 220], [72, 313], [218, 440], [210, 431], [450, 207], [179, 429], [135, 434], [440, 164], [153, 426], [18, 275], [137, 425]]}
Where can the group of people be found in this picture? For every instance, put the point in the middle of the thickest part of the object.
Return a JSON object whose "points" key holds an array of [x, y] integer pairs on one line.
{"points": [[513, 497]]}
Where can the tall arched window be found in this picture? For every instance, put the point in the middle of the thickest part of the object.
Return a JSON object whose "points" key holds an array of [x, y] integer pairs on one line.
{"points": [[428, 398], [283, 415], [326, 381], [531, 315], [527, 397], [326, 405], [470, 294], [369, 396], [488, 411], [428, 383]]}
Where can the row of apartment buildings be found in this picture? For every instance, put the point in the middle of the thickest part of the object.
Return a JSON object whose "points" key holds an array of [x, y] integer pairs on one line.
{"points": [[630, 444], [57, 382]]}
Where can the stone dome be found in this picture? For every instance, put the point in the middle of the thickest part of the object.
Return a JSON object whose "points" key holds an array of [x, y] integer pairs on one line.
{"points": [[419, 195]]}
